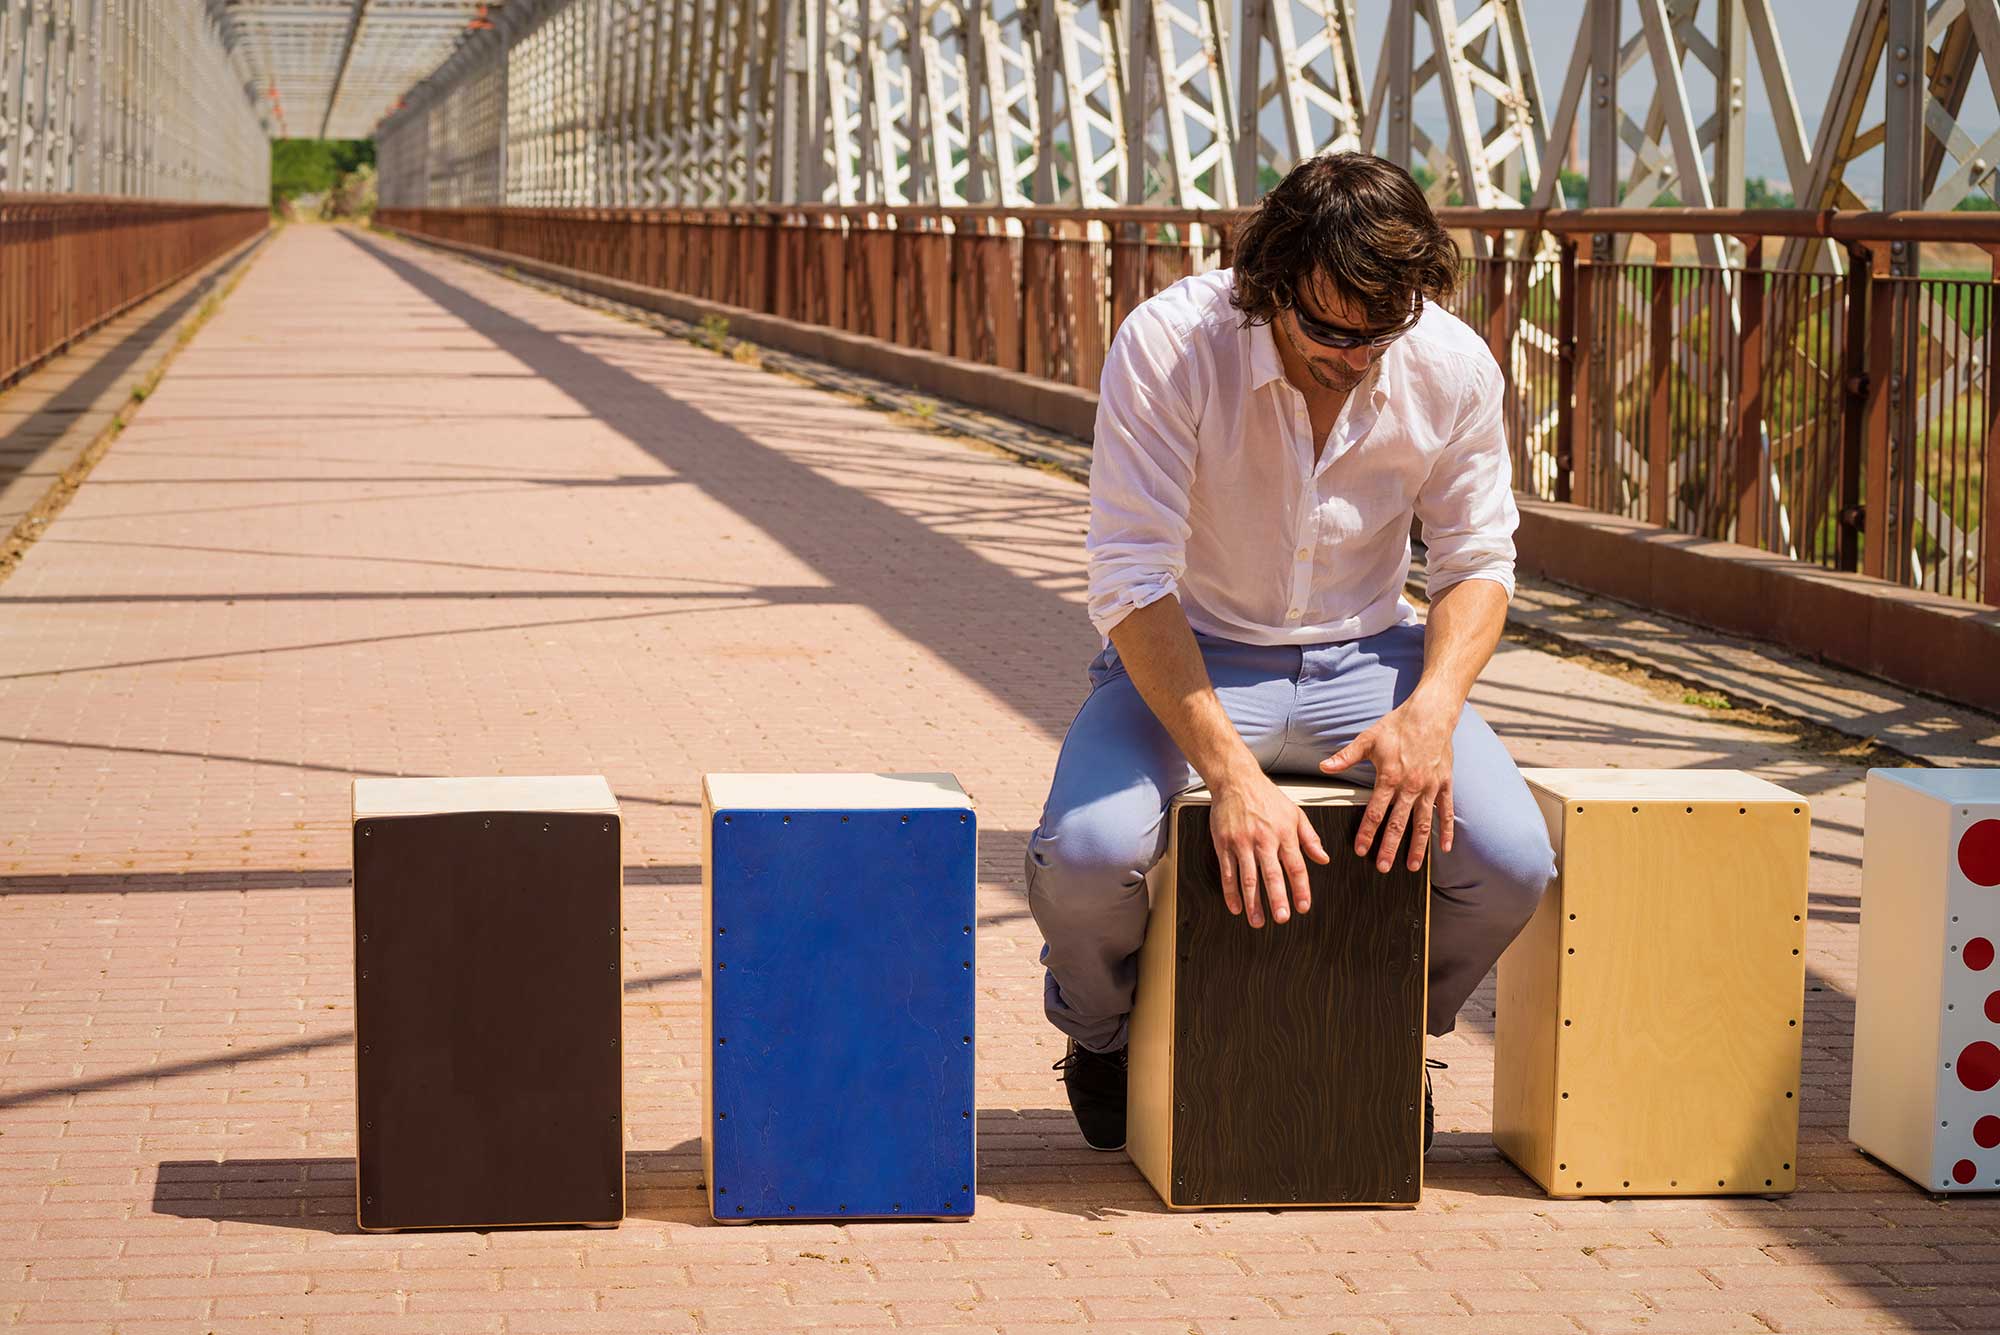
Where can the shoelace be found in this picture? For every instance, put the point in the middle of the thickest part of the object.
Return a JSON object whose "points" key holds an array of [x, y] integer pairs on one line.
{"points": [[1069, 1059]]}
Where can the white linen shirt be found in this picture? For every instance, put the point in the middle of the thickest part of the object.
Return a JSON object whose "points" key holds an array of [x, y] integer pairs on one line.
{"points": [[1203, 484]]}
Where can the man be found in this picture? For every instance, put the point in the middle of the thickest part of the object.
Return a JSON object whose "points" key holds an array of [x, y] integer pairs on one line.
{"points": [[1264, 435]]}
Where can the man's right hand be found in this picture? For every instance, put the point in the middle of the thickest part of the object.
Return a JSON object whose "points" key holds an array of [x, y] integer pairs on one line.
{"points": [[1262, 840]]}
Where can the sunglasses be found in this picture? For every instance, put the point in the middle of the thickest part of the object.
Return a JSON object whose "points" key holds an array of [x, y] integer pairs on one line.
{"points": [[1334, 336]]}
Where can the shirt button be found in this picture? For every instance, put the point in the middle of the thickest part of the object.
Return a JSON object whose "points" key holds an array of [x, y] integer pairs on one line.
{"points": [[1293, 614], [1304, 552]]}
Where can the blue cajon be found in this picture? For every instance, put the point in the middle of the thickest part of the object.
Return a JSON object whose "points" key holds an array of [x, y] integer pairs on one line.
{"points": [[838, 996]]}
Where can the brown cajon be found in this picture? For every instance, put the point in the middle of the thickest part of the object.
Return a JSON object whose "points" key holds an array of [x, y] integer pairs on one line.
{"points": [[1281, 1065], [1647, 1035], [487, 1003]]}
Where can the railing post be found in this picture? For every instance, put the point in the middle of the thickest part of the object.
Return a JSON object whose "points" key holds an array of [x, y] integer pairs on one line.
{"points": [[1989, 509], [1750, 469], [1041, 301], [1854, 403], [765, 235], [1130, 270], [1884, 385], [1496, 299], [1497, 330], [1659, 449], [1569, 294]]}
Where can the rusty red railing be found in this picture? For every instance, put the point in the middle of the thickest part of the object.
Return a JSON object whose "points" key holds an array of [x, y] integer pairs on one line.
{"points": [[1633, 382], [68, 263]]}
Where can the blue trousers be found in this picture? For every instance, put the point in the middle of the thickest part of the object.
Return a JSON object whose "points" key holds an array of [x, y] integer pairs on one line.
{"points": [[1104, 825]]}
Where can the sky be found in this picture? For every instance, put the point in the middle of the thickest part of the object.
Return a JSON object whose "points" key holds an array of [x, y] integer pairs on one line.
{"points": [[1813, 34]]}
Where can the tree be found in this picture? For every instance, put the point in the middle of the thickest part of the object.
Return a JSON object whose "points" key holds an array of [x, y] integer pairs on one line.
{"points": [[314, 166], [1759, 194]]}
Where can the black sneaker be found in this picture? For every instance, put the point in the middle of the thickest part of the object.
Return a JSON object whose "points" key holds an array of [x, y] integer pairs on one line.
{"points": [[1096, 1084], [1430, 1111]]}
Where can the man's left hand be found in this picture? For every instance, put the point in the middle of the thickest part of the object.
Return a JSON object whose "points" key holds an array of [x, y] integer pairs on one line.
{"points": [[1411, 751]]}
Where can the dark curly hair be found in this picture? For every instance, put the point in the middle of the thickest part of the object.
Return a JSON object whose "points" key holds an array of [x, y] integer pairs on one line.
{"points": [[1359, 220]]}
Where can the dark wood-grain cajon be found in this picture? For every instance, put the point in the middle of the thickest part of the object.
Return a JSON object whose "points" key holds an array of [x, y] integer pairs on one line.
{"points": [[487, 1003], [1281, 1065]]}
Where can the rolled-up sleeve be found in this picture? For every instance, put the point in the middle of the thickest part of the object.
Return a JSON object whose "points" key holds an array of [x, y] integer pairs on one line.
{"points": [[1467, 502], [1141, 468]]}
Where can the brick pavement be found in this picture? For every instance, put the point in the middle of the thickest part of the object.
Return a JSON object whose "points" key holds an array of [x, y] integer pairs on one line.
{"points": [[390, 513]]}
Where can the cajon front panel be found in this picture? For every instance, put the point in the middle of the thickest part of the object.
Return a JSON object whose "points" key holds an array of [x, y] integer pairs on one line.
{"points": [[1647, 1040], [1281, 1065], [487, 1010], [841, 984]]}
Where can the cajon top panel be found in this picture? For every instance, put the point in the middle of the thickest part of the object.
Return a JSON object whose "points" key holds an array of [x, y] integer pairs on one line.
{"points": [[1301, 791], [430, 797], [1656, 785], [833, 792], [1946, 785]]}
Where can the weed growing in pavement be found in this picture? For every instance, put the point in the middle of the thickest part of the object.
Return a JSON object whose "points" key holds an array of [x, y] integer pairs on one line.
{"points": [[922, 409], [715, 331], [1706, 699]]}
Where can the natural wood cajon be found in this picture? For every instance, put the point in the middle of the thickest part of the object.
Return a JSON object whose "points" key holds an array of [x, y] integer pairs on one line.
{"points": [[1647, 1035], [1281, 1065], [1926, 1094], [487, 1003], [838, 999]]}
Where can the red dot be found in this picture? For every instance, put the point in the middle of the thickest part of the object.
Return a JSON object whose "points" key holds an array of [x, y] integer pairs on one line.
{"points": [[1993, 1007], [1964, 1171], [1979, 1066], [1978, 953], [1979, 853], [1986, 1132]]}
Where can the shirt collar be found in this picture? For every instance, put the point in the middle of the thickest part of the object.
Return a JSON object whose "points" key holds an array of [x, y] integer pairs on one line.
{"points": [[1265, 363]]}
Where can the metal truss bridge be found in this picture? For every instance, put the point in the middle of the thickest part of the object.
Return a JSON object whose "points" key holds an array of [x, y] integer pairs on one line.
{"points": [[1187, 103]]}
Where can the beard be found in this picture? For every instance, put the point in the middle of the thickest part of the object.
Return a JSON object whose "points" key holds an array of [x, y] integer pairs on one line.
{"points": [[1339, 379]]}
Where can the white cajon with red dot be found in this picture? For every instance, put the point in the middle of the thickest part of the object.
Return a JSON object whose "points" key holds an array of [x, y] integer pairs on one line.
{"points": [[1926, 1097]]}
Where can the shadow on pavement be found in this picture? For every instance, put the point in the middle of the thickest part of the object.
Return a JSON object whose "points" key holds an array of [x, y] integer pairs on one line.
{"points": [[997, 626], [315, 1194]]}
